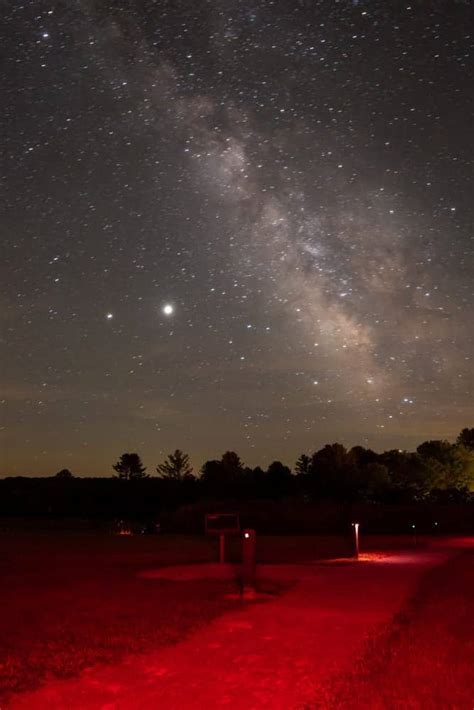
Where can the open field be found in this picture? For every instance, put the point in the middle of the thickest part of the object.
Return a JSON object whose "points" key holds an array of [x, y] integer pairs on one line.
{"points": [[70, 602], [424, 658]]}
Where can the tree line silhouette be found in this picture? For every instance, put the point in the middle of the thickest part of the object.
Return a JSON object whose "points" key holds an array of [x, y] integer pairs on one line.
{"points": [[316, 495], [437, 469], [433, 485]]}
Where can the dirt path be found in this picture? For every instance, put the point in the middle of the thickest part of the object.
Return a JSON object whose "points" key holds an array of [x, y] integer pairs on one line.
{"points": [[270, 654]]}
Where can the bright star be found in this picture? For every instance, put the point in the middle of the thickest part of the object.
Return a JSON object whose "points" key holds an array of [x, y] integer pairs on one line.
{"points": [[168, 309], [109, 316]]}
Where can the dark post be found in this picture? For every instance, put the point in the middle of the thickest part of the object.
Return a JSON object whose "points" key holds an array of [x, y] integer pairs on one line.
{"points": [[249, 561], [221, 549]]}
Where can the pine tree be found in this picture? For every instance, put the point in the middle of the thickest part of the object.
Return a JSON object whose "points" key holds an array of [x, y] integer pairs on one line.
{"points": [[303, 465], [130, 467], [176, 466]]}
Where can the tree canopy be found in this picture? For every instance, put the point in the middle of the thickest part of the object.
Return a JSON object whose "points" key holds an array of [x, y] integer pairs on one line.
{"points": [[176, 466], [64, 473], [466, 439], [130, 467], [437, 468]]}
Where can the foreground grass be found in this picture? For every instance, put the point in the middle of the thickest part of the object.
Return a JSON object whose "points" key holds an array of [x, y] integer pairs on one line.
{"points": [[69, 602], [424, 661]]}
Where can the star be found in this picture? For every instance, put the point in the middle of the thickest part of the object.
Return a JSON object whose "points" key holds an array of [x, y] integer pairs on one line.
{"points": [[244, 233]]}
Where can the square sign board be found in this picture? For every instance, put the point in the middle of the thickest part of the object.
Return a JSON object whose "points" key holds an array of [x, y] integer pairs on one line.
{"points": [[222, 524]]}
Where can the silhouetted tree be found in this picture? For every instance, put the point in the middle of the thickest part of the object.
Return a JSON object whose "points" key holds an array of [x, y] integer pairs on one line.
{"points": [[466, 439], [467, 457], [279, 479], [362, 456], [436, 449], [371, 478], [176, 466], [449, 465], [374, 481], [210, 471], [64, 473], [231, 464], [333, 472], [223, 478], [130, 467], [211, 479], [303, 465], [257, 482], [410, 478]]}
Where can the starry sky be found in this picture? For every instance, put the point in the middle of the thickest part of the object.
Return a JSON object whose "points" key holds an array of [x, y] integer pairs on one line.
{"points": [[233, 224]]}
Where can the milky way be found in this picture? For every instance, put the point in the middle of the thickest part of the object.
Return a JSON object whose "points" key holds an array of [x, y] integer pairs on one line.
{"points": [[234, 225]]}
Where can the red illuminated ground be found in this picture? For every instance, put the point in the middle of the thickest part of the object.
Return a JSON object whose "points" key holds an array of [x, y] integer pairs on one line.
{"points": [[280, 652]]}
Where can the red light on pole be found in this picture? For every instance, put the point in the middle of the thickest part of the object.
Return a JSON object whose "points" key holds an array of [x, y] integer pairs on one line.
{"points": [[356, 540]]}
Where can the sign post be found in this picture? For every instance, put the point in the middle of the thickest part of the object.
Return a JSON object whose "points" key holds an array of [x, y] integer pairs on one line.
{"points": [[222, 524]]}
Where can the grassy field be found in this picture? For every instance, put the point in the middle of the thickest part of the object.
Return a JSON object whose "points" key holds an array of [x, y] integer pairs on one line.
{"points": [[69, 601], [425, 659]]}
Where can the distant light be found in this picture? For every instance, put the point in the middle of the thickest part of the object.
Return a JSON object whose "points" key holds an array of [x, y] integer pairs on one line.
{"points": [[109, 316], [246, 535], [45, 35], [168, 309]]}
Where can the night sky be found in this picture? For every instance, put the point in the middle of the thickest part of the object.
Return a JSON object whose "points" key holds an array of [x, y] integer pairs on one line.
{"points": [[233, 225]]}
